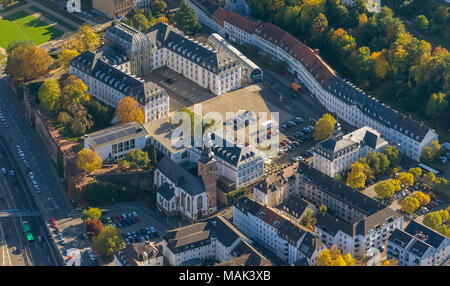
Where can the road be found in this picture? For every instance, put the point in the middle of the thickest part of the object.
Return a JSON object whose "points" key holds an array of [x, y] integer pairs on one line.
{"points": [[52, 201], [16, 196]]}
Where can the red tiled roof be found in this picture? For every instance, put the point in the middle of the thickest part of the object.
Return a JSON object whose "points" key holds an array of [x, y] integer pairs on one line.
{"points": [[321, 71], [270, 217]]}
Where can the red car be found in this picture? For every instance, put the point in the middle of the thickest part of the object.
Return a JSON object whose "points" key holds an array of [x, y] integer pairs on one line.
{"points": [[283, 143], [137, 219], [118, 217], [52, 219]]}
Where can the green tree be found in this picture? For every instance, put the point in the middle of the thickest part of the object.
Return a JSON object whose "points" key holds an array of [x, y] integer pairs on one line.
{"points": [[356, 177], [91, 213], [158, 7], [393, 154], [140, 22], [436, 104], [81, 120], [108, 241], [324, 126], [368, 171], [421, 23], [186, 19], [319, 26], [136, 158], [49, 95], [433, 220]]}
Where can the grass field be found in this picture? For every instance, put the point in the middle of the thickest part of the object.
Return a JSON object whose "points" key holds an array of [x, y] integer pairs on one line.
{"points": [[22, 26]]}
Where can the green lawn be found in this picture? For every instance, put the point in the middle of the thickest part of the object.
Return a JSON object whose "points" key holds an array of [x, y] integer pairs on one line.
{"points": [[22, 26]]}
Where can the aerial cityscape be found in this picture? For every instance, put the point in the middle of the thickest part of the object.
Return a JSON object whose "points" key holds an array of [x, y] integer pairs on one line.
{"points": [[224, 133]]}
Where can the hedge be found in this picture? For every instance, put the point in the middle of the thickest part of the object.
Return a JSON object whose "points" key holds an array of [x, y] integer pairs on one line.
{"points": [[234, 195]]}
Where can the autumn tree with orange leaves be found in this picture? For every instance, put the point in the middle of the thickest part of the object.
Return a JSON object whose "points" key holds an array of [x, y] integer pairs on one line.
{"points": [[129, 110]]}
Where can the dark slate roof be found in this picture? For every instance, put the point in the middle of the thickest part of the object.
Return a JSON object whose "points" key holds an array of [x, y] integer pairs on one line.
{"points": [[188, 237], [400, 238], [207, 6], [371, 140], [230, 152], [301, 262], [294, 205], [166, 191], [183, 178], [247, 205], [290, 232], [376, 110], [332, 225], [175, 41], [425, 233], [243, 254], [225, 232], [126, 33], [310, 244], [376, 221], [419, 248], [340, 190], [101, 67]]}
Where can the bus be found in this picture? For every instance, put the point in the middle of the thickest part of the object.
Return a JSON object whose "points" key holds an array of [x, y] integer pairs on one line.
{"points": [[30, 237], [27, 231]]}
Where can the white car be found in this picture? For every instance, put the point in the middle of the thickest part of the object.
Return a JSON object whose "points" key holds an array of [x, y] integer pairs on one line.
{"points": [[4, 171], [134, 214]]}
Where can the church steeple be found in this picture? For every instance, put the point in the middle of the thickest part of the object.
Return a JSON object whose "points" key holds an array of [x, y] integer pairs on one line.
{"points": [[337, 132]]}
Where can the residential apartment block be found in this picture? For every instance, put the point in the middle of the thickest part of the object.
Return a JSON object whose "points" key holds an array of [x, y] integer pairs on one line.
{"points": [[339, 152], [139, 254], [275, 188], [418, 245], [114, 9], [335, 94], [215, 238], [358, 222], [265, 226]]}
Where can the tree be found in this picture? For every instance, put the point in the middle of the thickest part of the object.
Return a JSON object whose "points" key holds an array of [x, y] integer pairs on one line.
{"points": [[423, 199], [319, 26], [433, 220], [416, 172], [356, 177], [322, 209], [140, 22], [94, 226], [380, 64], [88, 160], [407, 179], [308, 220], [393, 154], [136, 158], [343, 43], [421, 23], [128, 110], [436, 104], [410, 205], [21, 45], [81, 120], [88, 39], [158, 7], [91, 213], [74, 91], [29, 62], [66, 57], [379, 162], [186, 20], [427, 155], [324, 126], [162, 19], [108, 241], [64, 118], [385, 189], [333, 257], [391, 262], [368, 171], [148, 13], [49, 95], [430, 178]]}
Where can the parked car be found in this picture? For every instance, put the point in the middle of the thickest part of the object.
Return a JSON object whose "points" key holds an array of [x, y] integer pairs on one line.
{"points": [[4, 172]]}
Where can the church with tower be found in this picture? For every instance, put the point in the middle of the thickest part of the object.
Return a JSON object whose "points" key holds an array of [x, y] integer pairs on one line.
{"points": [[181, 193]]}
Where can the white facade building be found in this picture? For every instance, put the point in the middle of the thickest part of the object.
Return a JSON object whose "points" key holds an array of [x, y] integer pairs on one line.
{"points": [[338, 96], [139, 254], [418, 245], [265, 226], [339, 152], [115, 142]]}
